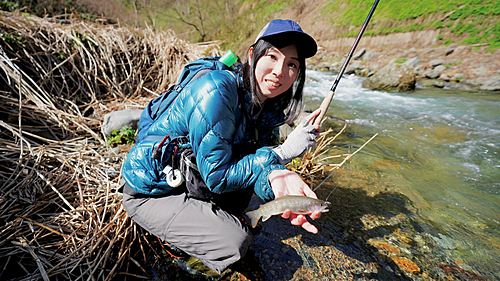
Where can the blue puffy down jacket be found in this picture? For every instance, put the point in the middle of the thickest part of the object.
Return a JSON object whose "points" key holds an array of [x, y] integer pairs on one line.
{"points": [[208, 112]]}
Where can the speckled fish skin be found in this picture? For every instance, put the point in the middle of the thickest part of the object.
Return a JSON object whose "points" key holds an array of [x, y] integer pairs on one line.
{"points": [[297, 204]]}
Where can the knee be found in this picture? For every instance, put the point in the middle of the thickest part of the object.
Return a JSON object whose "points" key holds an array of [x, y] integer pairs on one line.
{"points": [[241, 243]]}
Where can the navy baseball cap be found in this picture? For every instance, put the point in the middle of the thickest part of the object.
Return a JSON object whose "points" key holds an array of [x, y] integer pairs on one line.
{"points": [[286, 32]]}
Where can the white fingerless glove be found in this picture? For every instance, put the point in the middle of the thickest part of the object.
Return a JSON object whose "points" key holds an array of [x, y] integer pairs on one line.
{"points": [[299, 140]]}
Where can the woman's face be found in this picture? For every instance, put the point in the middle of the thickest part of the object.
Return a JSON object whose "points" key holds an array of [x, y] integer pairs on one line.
{"points": [[276, 70]]}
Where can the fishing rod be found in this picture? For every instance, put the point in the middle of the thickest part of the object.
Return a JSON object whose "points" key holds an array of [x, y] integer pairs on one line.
{"points": [[328, 99]]}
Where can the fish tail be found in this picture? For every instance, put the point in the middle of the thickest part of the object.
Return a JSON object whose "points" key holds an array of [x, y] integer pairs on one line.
{"points": [[254, 217]]}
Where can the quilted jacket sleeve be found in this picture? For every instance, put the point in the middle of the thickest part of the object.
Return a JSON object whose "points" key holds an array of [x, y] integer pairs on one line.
{"points": [[210, 113]]}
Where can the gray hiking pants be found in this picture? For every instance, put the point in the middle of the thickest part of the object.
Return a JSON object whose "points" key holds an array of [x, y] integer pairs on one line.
{"points": [[204, 231]]}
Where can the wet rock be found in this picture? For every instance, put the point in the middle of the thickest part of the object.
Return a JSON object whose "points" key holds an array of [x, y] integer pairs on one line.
{"points": [[118, 119], [384, 247], [393, 77], [461, 273], [406, 264], [444, 242]]}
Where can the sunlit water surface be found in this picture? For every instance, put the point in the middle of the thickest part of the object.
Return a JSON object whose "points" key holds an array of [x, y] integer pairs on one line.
{"points": [[439, 147]]}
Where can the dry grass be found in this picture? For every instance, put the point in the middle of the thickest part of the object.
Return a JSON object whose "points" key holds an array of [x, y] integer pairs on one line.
{"points": [[60, 212]]}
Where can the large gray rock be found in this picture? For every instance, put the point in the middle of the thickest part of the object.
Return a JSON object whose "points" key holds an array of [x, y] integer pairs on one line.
{"points": [[118, 119], [492, 83], [393, 78], [481, 71]]}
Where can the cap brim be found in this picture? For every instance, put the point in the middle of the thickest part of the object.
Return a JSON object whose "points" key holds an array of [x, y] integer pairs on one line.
{"points": [[306, 45]]}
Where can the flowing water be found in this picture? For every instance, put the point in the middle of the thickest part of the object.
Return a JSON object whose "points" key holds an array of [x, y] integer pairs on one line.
{"points": [[440, 148]]}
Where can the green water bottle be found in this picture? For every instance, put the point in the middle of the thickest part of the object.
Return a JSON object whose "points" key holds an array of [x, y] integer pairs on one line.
{"points": [[229, 58]]}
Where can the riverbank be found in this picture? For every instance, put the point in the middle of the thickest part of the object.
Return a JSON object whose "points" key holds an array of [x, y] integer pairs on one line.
{"points": [[60, 181], [472, 67]]}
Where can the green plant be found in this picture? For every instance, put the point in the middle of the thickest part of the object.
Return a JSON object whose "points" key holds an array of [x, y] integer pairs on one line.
{"points": [[440, 37], [448, 42], [401, 60], [125, 135], [453, 64], [8, 6]]}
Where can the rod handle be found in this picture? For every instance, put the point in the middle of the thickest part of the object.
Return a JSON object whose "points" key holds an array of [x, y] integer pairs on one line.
{"points": [[324, 107]]}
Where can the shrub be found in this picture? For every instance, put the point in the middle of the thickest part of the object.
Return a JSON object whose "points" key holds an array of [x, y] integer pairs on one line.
{"points": [[125, 135]]}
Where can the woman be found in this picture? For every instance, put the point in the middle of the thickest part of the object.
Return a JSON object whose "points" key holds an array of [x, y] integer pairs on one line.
{"points": [[230, 123]]}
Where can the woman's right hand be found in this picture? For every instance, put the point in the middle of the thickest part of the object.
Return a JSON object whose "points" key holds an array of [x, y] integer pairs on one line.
{"points": [[300, 139]]}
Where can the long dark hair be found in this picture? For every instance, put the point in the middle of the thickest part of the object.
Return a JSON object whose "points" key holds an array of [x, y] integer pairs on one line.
{"points": [[291, 100]]}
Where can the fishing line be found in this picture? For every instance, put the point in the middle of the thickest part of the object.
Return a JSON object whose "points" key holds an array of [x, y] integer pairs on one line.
{"points": [[324, 181], [343, 161]]}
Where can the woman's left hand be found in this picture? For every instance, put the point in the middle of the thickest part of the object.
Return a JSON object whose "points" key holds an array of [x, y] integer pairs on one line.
{"points": [[285, 182]]}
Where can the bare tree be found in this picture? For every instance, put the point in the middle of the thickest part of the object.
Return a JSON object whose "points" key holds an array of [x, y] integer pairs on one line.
{"points": [[191, 14]]}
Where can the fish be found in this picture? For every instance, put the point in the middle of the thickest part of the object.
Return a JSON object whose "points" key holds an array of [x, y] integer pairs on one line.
{"points": [[297, 204]]}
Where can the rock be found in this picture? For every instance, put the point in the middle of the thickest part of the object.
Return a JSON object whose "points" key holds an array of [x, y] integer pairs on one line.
{"points": [[413, 61], [491, 84], [118, 119], [481, 71], [352, 68], [371, 55], [434, 73], [335, 67], [361, 72], [418, 69], [374, 67], [393, 77], [444, 77], [406, 265], [459, 77], [431, 83], [436, 62], [359, 54]]}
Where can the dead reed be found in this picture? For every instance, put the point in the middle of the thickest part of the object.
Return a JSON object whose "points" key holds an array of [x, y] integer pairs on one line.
{"points": [[60, 213]]}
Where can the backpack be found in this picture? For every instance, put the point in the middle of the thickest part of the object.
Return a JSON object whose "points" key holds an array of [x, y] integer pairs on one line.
{"points": [[157, 106]]}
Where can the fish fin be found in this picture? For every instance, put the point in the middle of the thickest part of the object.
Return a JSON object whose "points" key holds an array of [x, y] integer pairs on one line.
{"points": [[254, 218], [265, 218]]}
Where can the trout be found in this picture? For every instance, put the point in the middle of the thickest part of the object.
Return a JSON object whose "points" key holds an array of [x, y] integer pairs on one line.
{"points": [[297, 204]]}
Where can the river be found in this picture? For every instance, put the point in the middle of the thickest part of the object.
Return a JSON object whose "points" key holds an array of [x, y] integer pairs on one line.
{"points": [[440, 148]]}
